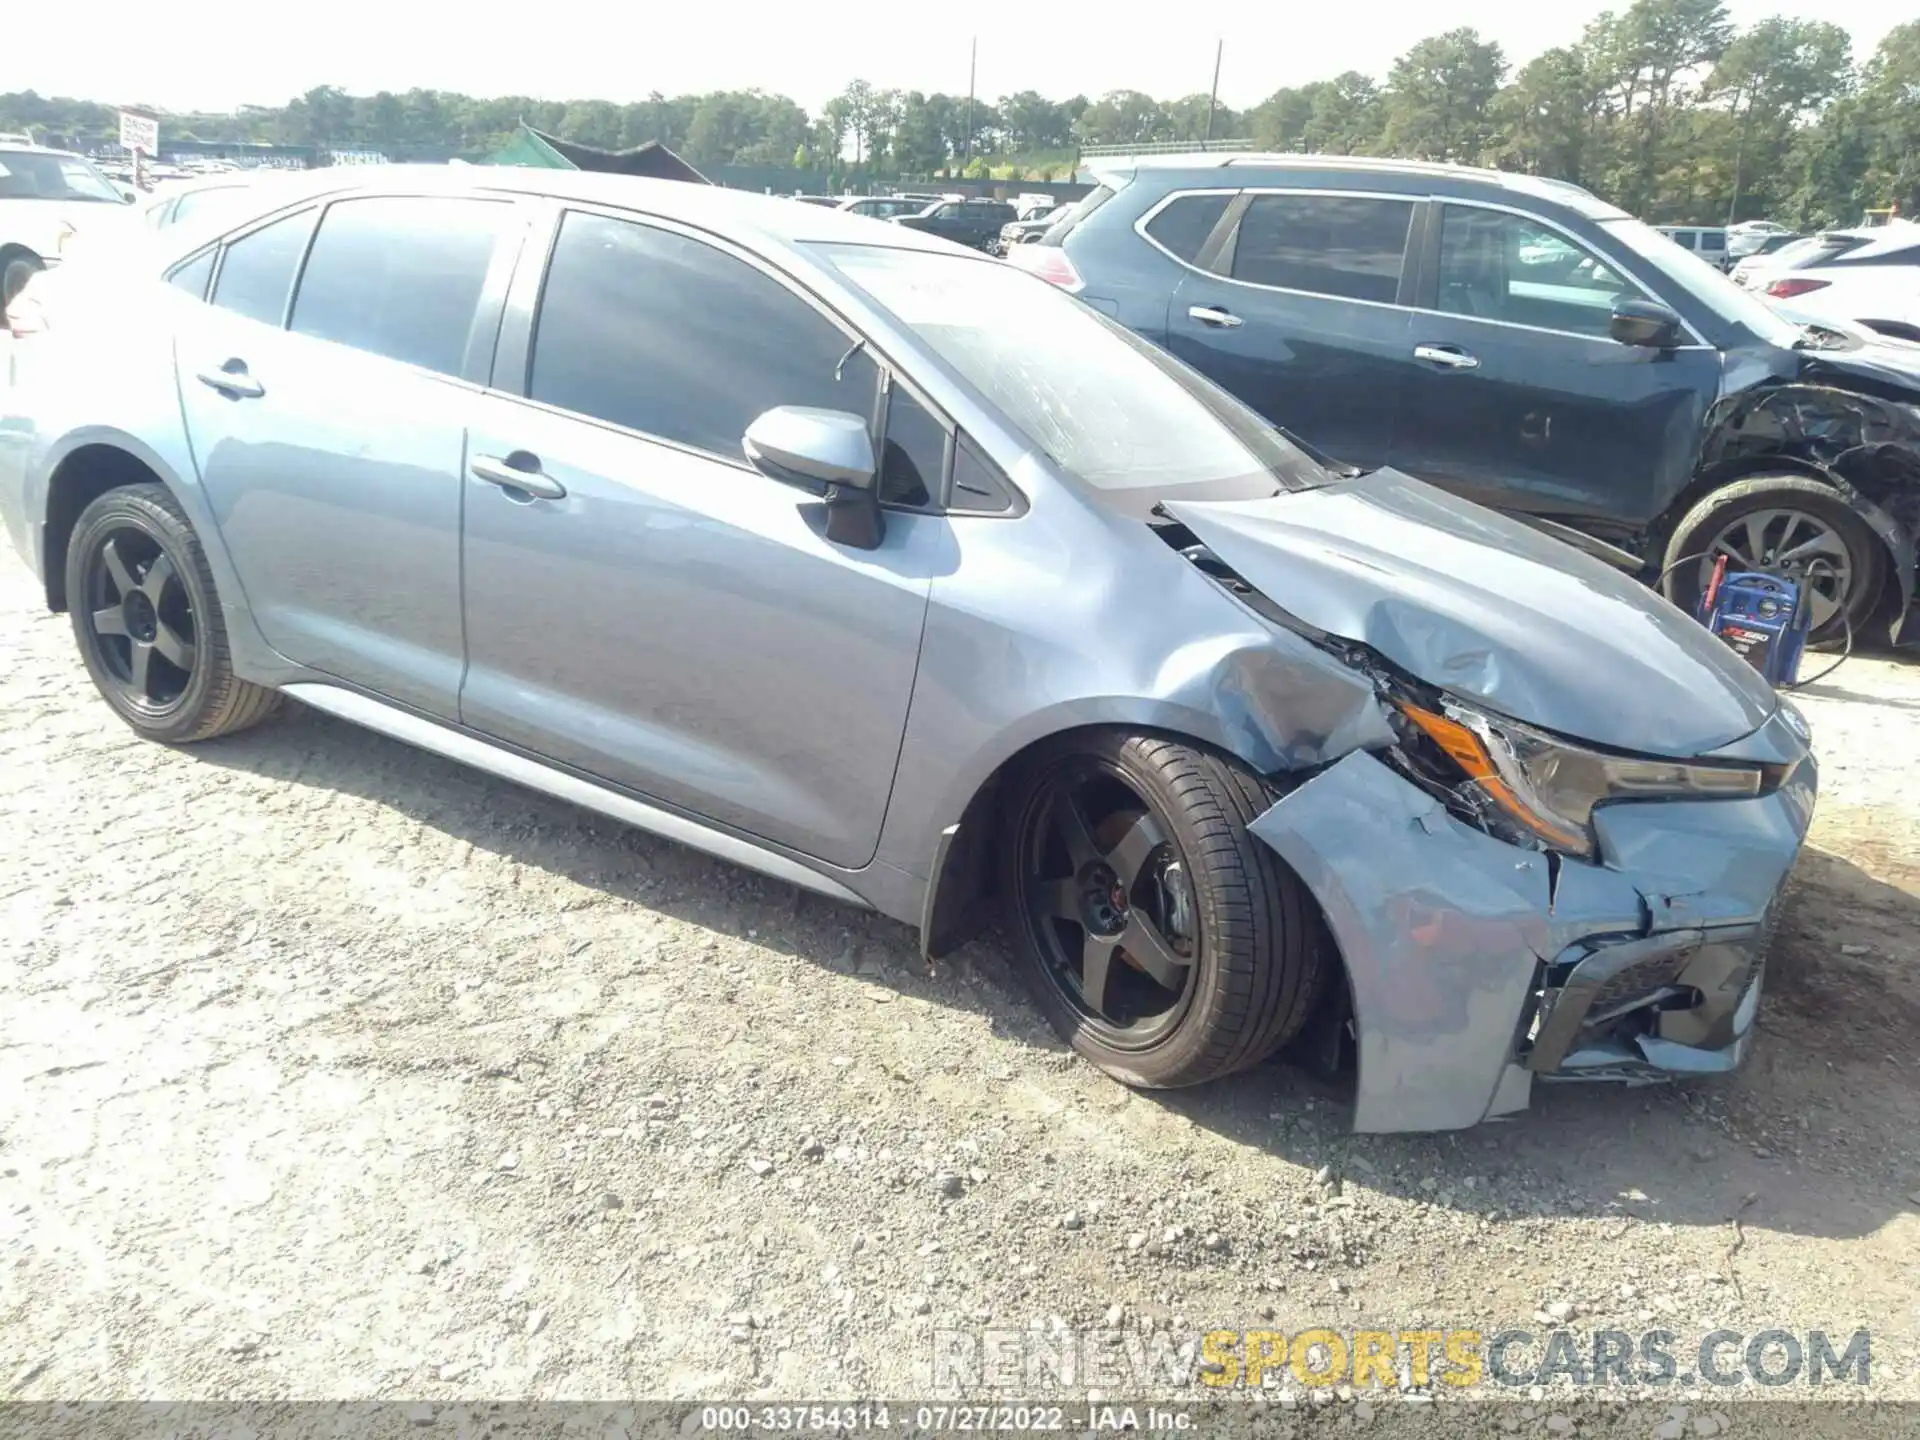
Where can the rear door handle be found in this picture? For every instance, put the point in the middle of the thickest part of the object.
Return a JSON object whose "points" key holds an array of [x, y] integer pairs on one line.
{"points": [[1213, 315], [1448, 355], [518, 471], [232, 380]]}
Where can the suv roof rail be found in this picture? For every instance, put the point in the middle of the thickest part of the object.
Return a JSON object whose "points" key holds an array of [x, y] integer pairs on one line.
{"points": [[1162, 147]]}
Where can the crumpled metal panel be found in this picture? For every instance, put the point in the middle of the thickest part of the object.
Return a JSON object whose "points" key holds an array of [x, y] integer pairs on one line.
{"points": [[1441, 927], [1431, 584]]}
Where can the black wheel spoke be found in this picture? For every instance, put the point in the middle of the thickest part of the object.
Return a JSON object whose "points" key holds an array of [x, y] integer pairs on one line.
{"points": [[1056, 900], [1096, 959], [172, 645], [1134, 849], [117, 570], [1074, 829], [140, 659], [159, 575], [1148, 949], [110, 621]]}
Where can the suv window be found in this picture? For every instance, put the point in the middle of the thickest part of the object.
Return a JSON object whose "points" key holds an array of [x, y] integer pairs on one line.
{"points": [[667, 335], [1339, 245], [256, 271], [400, 276], [1183, 226], [1499, 266]]}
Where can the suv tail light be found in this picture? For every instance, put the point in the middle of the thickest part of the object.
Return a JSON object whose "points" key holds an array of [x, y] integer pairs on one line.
{"points": [[1049, 262], [1786, 289]]}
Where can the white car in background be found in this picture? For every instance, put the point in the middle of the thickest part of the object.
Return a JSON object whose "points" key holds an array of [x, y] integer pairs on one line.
{"points": [[1871, 276], [48, 200]]}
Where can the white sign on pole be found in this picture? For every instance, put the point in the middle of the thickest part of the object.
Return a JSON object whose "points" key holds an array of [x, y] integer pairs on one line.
{"points": [[140, 132]]}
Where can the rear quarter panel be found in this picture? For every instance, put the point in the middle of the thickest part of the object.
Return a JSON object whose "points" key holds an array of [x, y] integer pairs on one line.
{"points": [[104, 374]]}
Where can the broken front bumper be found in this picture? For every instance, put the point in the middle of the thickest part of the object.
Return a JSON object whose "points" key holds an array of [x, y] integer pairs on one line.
{"points": [[1476, 966]]}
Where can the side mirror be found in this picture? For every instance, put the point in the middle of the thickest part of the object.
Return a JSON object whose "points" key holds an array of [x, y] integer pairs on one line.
{"points": [[827, 453], [1644, 323]]}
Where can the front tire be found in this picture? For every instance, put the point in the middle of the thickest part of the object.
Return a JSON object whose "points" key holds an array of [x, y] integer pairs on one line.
{"points": [[145, 616], [1783, 523], [1161, 939]]}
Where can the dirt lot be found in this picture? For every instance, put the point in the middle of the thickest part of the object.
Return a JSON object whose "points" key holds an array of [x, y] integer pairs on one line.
{"points": [[330, 1069]]}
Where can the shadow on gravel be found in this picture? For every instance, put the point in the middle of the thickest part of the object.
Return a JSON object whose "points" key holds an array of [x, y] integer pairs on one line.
{"points": [[1814, 1137]]}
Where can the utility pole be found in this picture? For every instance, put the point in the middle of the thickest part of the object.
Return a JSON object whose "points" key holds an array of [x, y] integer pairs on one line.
{"points": [[1213, 97], [973, 67]]}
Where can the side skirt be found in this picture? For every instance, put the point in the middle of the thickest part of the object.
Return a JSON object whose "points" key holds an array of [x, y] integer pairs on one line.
{"points": [[521, 769]]}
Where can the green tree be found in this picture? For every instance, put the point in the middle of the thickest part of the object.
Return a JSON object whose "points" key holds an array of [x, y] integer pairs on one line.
{"points": [[1770, 78], [1438, 95]]}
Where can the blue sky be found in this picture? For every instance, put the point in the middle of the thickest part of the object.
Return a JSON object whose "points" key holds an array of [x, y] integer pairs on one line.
{"points": [[123, 52]]}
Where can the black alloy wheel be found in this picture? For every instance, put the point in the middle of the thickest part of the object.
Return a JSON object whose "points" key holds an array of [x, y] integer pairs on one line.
{"points": [[141, 597], [1109, 905], [140, 619]]}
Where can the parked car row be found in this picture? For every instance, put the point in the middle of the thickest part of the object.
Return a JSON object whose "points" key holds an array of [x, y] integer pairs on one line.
{"points": [[1524, 345], [48, 200], [1870, 275], [893, 572]]}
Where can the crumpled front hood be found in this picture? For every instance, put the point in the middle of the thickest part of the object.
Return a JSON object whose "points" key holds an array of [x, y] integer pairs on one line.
{"points": [[1489, 609]]}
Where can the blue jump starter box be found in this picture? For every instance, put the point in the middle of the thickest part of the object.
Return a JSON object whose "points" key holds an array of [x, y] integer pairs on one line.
{"points": [[1764, 618]]}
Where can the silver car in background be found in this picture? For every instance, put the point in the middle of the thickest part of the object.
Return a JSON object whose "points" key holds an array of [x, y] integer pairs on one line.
{"points": [[891, 571]]}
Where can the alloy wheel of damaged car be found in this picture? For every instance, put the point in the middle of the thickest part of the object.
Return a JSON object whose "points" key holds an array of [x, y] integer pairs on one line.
{"points": [[1163, 941], [141, 599], [1784, 523]]}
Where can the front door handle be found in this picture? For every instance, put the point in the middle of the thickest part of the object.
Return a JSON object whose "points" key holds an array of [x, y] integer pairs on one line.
{"points": [[1450, 356], [1215, 316], [233, 381], [518, 471]]}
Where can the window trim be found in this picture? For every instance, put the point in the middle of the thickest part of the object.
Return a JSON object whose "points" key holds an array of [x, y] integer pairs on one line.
{"points": [[1434, 232], [512, 369]]}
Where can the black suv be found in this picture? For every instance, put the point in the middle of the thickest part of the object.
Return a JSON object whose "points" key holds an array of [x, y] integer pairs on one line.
{"points": [[1522, 343], [966, 222]]}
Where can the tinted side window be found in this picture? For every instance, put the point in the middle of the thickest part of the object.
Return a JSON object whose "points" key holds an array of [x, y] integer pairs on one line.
{"points": [[1328, 244], [1499, 266], [192, 277], [1184, 225], [400, 276], [256, 271], [914, 455], [663, 334]]}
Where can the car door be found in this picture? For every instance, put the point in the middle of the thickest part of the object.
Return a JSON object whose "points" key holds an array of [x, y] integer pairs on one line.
{"points": [[652, 611], [328, 421], [1296, 309], [1519, 397]]}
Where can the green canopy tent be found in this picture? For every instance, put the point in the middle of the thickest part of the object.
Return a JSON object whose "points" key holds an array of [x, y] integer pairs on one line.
{"points": [[531, 147]]}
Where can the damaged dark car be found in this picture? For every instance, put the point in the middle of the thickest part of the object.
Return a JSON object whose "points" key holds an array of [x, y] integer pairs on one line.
{"points": [[882, 568], [1528, 346]]}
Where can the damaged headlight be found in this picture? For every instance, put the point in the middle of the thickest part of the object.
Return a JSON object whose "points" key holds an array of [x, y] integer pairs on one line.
{"points": [[1548, 788]]}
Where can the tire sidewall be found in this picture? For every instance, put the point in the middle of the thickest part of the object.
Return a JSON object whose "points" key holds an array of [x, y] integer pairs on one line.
{"points": [[1780, 492], [118, 509], [1187, 1040]]}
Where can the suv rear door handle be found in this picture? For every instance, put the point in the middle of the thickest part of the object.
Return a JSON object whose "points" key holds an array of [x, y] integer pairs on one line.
{"points": [[1451, 356], [526, 476], [1215, 316]]}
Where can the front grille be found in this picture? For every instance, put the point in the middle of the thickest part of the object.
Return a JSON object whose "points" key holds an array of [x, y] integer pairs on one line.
{"points": [[1636, 981]]}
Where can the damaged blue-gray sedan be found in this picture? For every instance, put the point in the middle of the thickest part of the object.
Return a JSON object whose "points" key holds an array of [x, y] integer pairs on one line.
{"points": [[880, 567]]}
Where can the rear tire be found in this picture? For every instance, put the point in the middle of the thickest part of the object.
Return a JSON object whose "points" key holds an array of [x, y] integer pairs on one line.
{"points": [[1163, 867], [1757, 522], [147, 620]]}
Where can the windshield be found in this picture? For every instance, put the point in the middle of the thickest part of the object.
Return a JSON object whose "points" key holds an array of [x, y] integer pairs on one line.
{"points": [[1102, 404], [1702, 281], [47, 175]]}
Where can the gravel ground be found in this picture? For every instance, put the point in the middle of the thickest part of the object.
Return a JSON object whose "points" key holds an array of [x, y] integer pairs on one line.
{"points": [[330, 1069]]}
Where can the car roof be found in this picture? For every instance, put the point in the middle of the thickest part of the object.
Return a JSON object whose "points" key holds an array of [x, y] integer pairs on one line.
{"points": [[15, 148], [1205, 167], [772, 217]]}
